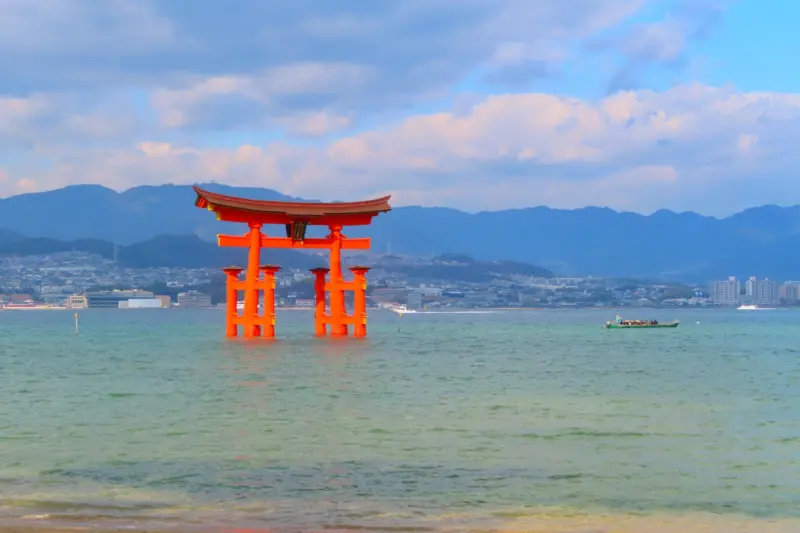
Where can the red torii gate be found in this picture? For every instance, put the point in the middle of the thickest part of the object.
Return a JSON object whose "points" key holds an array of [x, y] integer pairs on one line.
{"points": [[295, 217]]}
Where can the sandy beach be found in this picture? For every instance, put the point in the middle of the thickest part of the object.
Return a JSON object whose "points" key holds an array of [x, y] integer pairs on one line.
{"points": [[689, 523]]}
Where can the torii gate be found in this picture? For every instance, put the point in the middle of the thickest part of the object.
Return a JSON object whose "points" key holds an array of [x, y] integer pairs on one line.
{"points": [[295, 217]]}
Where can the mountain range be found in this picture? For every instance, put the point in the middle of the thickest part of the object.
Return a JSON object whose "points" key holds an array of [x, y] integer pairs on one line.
{"points": [[762, 241]]}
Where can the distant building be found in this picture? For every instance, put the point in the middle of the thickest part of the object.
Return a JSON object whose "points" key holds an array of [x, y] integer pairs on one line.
{"points": [[789, 292], [193, 300], [726, 292], [414, 299], [111, 299], [141, 303], [428, 292], [76, 301], [398, 295], [20, 300], [764, 291], [453, 294]]}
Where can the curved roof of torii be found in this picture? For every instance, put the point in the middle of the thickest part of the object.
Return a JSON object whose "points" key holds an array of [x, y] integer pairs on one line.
{"points": [[237, 209]]}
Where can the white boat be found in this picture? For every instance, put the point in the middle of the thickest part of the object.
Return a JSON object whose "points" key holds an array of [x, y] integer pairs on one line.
{"points": [[748, 307], [402, 309]]}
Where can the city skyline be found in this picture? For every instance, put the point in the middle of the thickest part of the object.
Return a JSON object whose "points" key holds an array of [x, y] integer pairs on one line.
{"points": [[77, 279], [634, 105]]}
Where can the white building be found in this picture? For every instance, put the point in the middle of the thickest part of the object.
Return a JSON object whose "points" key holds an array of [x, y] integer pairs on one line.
{"points": [[764, 291], [141, 303], [789, 292], [725, 292]]}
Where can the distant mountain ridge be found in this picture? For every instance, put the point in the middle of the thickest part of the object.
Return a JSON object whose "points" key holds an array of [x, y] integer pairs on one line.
{"points": [[760, 241]]}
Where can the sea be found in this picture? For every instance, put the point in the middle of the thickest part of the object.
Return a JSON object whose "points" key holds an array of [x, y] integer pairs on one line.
{"points": [[537, 420]]}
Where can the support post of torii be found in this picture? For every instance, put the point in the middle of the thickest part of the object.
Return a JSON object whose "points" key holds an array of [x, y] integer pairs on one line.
{"points": [[250, 322], [268, 284], [335, 286], [232, 285], [320, 325], [295, 217], [360, 300]]}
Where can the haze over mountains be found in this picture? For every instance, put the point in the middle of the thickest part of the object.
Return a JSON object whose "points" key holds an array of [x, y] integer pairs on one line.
{"points": [[763, 241]]}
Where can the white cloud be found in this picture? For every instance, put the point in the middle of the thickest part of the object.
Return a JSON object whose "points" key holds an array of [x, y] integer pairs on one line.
{"points": [[253, 65], [38, 121], [365, 99], [420, 44], [636, 150], [265, 100]]}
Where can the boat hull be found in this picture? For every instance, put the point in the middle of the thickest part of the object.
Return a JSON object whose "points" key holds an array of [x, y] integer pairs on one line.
{"points": [[642, 326]]}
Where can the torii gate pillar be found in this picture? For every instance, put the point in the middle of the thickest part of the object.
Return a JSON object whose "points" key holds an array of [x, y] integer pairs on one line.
{"points": [[320, 327]]}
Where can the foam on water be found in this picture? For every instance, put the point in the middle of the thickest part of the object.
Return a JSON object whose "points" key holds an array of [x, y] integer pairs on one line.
{"points": [[505, 421]]}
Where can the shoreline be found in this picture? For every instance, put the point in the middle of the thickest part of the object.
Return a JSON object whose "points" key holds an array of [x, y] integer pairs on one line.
{"points": [[510, 522], [437, 309]]}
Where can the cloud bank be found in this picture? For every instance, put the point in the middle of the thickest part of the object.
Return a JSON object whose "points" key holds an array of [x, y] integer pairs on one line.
{"points": [[438, 103]]}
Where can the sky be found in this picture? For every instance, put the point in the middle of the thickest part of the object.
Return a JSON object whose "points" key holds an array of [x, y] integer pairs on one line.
{"points": [[636, 105]]}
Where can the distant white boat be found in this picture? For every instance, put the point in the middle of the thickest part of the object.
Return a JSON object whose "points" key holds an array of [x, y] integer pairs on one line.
{"points": [[754, 308], [402, 309]]}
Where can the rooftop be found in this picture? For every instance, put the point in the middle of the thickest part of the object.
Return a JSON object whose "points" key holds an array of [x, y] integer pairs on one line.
{"points": [[236, 209]]}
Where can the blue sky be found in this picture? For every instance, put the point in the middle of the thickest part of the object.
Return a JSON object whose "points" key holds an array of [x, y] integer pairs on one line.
{"points": [[478, 104]]}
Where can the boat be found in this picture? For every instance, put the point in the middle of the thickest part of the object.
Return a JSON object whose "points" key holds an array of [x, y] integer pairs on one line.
{"points": [[747, 307], [402, 309], [639, 324], [619, 323]]}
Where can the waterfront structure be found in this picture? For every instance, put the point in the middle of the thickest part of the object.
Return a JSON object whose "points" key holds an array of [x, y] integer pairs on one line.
{"points": [[142, 303], [112, 299], [193, 300], [390, 295], [761, 291], [726, 292], [295, 217], [76, 301], [414, 299], [20, 301], [789, 292]]}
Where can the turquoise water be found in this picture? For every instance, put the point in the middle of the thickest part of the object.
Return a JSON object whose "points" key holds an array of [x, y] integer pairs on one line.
{"points": [[482, 421]]}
